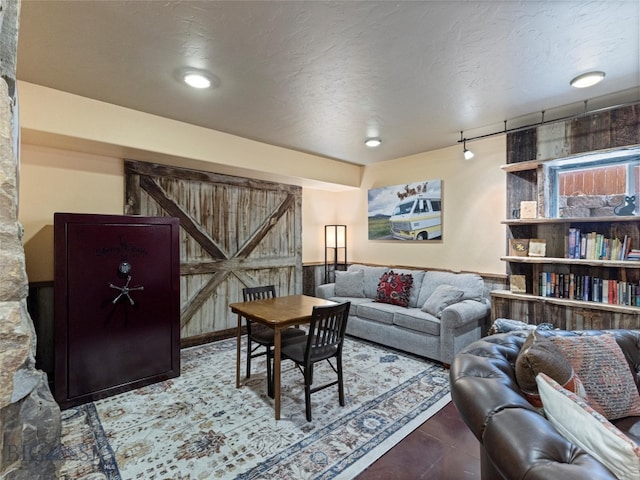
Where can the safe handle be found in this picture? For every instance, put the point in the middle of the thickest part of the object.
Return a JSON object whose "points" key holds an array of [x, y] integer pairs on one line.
{"points": [[125, 290]]}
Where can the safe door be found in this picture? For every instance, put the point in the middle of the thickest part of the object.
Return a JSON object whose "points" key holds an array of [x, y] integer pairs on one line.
{"points": [[117, 304]]}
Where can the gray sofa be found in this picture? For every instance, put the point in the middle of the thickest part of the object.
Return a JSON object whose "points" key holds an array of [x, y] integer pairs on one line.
{"points": [[438, 334]]}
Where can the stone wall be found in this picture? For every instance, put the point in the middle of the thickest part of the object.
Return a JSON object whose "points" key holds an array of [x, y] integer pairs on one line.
{"points": [[29, 417]]}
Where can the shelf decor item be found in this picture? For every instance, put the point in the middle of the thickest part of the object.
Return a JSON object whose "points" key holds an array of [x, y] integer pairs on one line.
{"points": [[537, 247], [528, 209], [518, 283], [518, 247]]}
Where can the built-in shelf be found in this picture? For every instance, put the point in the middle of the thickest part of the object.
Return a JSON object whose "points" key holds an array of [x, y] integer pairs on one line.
{"points": [[609, 307], [522, 166], [540, 220], [572, 261]]}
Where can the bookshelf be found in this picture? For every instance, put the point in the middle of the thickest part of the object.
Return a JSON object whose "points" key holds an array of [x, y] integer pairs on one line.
{"points": [[563, 304]]}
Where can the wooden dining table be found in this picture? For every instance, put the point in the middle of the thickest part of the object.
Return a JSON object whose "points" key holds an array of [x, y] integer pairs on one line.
{"points": [[277, 313]]}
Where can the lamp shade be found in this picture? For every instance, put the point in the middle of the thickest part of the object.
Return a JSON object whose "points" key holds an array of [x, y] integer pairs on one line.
{"points": [[335, 236]]}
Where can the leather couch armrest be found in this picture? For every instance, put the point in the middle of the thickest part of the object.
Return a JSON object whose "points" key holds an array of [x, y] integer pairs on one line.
{"points": [[522, 444], [325, 291], [518, 441]]}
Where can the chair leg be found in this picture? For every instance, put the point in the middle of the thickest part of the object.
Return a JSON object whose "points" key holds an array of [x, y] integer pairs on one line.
{"points": [[308, 380], [340, 382]]}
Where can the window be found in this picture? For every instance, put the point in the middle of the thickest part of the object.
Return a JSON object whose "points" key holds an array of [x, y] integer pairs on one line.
{"points": [[600, 184]]}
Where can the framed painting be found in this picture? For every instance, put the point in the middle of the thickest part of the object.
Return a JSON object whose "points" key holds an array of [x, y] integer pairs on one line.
{"points": [[410, 211]]}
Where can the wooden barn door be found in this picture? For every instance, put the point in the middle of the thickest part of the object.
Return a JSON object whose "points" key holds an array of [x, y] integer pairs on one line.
{"points": [[235, 232]]}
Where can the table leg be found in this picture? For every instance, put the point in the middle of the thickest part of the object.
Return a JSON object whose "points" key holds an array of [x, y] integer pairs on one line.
{"points": [[276, 370], [238, 335]]}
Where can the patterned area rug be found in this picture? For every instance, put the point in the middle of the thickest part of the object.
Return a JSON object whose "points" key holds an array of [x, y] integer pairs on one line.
{"points": [[199, 426]]}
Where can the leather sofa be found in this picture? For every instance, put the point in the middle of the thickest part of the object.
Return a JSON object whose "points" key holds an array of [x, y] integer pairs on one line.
{"points": [[517, 442], [411, 329]]}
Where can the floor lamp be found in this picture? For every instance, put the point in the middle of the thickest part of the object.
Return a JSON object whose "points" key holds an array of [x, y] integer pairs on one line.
{"points": [[335, 251]]}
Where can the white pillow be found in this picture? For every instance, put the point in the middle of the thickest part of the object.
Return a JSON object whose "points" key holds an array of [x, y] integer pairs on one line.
{"points": [[441, 298], [350, 284], [582, 425]]}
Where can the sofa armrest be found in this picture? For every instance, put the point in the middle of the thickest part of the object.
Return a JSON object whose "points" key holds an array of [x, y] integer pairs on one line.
{"points": [[464, 312], [518, 442], [461, 324], [325, 291]]}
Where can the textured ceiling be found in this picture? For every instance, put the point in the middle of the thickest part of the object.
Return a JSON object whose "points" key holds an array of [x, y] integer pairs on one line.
{"points": [[320, 76]]}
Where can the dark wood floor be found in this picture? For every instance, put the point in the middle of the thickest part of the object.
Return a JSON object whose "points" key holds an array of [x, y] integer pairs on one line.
{"points": [[442, 448]]}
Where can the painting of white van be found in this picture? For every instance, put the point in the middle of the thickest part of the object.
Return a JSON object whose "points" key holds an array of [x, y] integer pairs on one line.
{"points": [[406, 212]]}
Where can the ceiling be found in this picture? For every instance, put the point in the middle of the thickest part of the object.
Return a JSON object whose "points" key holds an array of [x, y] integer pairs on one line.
{"points": [[319, 77]]}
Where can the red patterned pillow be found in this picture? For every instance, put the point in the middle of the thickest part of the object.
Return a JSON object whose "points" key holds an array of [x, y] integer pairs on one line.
{"points": [[604, 371], [395, 288]]}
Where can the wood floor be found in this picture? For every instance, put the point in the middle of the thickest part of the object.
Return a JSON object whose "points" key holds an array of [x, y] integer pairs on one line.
{"points": [[442, 448]]}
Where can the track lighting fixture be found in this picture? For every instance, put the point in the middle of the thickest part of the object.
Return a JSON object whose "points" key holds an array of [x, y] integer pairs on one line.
{"points": [[468, 154]]}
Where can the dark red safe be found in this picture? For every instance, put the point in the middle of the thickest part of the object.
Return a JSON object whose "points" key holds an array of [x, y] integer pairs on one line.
{"points": [[117, 304]]}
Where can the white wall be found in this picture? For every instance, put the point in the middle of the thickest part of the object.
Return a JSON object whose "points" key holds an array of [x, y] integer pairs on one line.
{"points": [[473, 238]]}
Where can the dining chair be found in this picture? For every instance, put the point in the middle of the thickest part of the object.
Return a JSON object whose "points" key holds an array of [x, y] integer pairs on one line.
{"points": [[324, 341], [263, 336]]}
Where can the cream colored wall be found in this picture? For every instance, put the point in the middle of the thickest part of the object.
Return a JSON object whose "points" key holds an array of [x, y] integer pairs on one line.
{"points": [[72, 161], [473, 206], [54, 180]]}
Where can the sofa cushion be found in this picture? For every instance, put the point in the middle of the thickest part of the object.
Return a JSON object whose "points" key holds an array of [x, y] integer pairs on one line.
{"points": [[355, 302], [418, 276], [416, 319], [350, 284], [380, 312], [371, 278], [540, 355], [604, 371], [394, 288], [582, 425], [441, 298], [470, 283]]}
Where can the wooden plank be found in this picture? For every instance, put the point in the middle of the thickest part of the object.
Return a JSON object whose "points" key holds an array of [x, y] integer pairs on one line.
{"points": [[204, 293], [187, 222], [522, 146], [625, 127], [158, 170], [132, 194]]}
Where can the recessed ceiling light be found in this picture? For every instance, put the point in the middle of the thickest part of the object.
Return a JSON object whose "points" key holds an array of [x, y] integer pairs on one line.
{"points": [[199, 78], [587, 79], [373, 142]]}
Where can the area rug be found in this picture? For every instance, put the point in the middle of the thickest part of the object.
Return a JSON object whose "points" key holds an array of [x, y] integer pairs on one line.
{"points": [[199, 426]]}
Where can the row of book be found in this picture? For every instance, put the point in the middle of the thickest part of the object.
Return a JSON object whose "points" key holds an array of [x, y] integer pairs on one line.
{"points": [[595, 246], [588, 288]]}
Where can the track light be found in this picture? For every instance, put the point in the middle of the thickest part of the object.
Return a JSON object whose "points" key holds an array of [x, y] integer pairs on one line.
{"points": [[468, 154]]}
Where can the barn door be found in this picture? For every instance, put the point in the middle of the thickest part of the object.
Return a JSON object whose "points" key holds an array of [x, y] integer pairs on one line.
{"points": [[235, 232]]}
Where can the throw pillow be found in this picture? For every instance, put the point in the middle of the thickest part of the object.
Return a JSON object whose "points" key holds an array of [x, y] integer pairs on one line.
{"points": [[582, 425], [604, 371], [350, 284], [540, 355], [394, 288], [441, 298]]}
